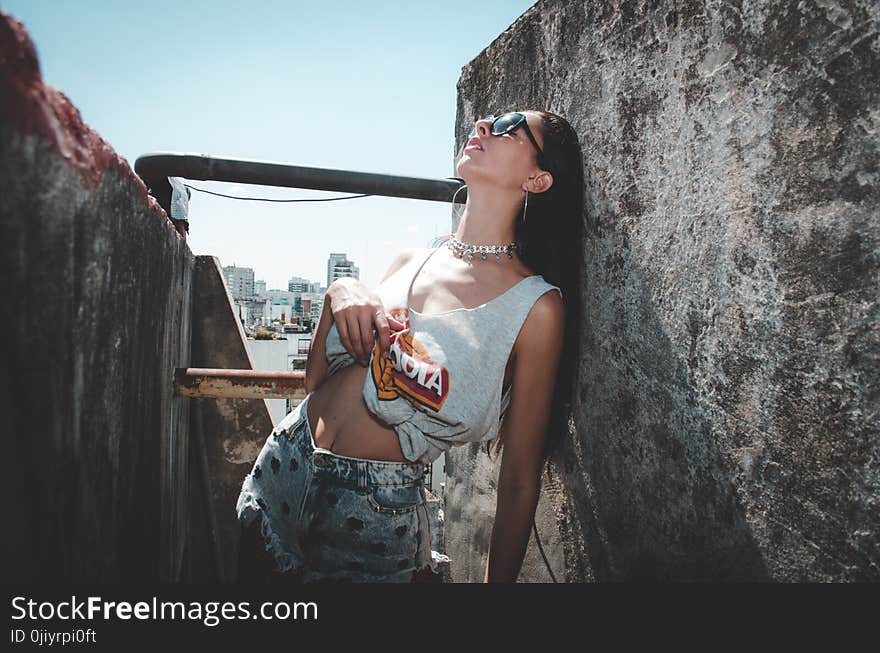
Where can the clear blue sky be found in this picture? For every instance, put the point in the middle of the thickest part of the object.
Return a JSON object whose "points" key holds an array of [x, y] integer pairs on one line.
{"points": [[355, 85]]}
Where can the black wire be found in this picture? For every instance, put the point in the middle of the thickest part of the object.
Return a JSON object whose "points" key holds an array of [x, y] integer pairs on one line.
{"points": [[538, 540], [265, 199], [541, 549]]}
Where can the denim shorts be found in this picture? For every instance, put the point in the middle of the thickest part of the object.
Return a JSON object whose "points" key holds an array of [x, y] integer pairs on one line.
{"points": [[333, 517]]}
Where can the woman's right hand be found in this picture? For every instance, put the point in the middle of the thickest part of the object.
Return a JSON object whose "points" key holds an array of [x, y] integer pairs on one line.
{"points": [[357, 311]]}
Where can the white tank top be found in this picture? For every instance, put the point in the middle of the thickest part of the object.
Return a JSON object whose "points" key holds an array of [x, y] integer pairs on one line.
{"points": [[443, 386]]}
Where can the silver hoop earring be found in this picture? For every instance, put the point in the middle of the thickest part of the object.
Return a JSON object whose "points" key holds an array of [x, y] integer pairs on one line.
{"points": [[455, 194], [525, 208]]}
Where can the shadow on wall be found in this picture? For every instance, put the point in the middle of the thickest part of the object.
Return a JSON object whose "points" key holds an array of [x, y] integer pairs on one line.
{"points": [[651, 496]]}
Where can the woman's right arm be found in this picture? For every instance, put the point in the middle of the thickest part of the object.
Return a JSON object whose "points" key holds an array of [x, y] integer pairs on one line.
{"points": [[359, 312]]}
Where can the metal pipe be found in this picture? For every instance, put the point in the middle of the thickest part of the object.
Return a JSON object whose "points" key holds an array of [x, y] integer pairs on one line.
{"points": [[155, 168], [241, 384]]}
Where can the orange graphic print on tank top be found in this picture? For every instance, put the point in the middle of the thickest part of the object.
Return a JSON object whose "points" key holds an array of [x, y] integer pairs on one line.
{"points": [[410, 373]]}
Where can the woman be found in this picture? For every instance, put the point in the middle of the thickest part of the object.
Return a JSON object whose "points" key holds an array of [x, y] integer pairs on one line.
{"points": [[465, 342]]}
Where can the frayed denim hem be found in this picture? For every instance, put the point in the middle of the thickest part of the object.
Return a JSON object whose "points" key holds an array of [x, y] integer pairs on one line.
{"points": [[288, 562], [285, 561]]}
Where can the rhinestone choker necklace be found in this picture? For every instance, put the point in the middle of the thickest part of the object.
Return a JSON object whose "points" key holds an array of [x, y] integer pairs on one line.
{"points": [[461, 249]]}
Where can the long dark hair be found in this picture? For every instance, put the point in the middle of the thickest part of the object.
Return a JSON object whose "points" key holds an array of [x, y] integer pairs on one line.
{"points": [[552, 245]]}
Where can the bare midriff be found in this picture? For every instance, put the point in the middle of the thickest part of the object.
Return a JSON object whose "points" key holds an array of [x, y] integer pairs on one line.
{"points": [[341, 423]]}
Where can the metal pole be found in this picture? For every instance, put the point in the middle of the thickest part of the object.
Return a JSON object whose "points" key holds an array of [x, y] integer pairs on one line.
{"points": [[241, 384], [155, 168]]}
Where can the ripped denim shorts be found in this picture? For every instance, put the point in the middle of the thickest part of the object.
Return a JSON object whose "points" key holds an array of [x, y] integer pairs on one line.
{"points": [[333, 517]]}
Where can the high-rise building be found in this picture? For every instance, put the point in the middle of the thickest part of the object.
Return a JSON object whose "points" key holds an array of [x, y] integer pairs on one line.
{"points": [[260, 288], [339, 266], [298, 284], [335, 257], [240, 281]]}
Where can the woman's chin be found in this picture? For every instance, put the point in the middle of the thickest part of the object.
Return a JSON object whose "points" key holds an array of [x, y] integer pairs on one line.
{"points": [[468, 169], [474, 176]]}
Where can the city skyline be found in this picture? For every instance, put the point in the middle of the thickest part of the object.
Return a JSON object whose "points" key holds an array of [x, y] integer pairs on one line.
{"points": [[256, 279]]}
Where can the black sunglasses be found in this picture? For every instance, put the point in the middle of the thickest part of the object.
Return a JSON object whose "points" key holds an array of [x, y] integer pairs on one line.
{"points": [[507, 124]]}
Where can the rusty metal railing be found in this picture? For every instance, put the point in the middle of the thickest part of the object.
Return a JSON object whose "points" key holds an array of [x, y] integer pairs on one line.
{"points": [[239, 384]]}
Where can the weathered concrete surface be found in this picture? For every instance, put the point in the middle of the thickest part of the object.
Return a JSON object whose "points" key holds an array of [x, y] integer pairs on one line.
{"points": [[94, 319], [727, 422], [469, 510], [231, 433]]}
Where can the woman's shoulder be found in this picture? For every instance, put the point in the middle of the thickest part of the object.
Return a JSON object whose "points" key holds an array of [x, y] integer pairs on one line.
{"points": [[539, 281], [534, 282], [546, 308], [545, 319]]}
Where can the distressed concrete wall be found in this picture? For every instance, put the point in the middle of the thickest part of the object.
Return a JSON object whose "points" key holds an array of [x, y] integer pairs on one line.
{"points": [[727, 415], [94, 319], [227, 433]]}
